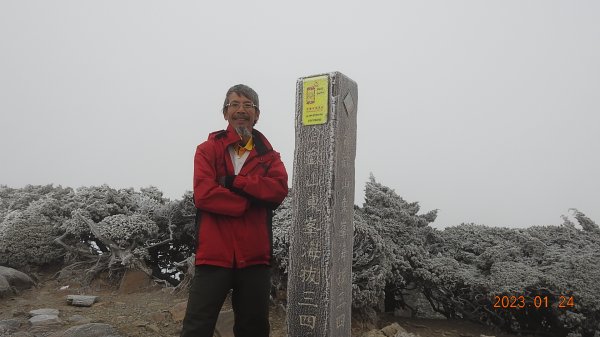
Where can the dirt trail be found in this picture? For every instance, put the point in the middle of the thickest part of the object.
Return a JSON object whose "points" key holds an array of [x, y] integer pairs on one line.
{"points": [[148, 313]]}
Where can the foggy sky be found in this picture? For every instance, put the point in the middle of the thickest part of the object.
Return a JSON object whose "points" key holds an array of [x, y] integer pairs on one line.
{"points": [[487, 111]]}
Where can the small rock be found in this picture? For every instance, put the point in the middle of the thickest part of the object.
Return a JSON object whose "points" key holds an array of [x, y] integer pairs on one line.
{"points": [[44, 311], [486, 336], [43, 320], [81, 300]]}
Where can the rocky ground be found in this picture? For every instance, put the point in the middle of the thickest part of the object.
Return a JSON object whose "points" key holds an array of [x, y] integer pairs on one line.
{"points": [[138, 308]]}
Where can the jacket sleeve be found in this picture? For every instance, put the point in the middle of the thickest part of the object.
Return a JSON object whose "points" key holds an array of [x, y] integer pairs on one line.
{"points": [[209, 196], [271, 188]]}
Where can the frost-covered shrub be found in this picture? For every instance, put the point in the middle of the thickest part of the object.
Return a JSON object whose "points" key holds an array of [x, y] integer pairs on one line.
{"points": [[370, 266], [30, 225], [154, 228], [282, 221], [571, 260], [405, 235], [20, 199], [100, 202], [27, 241], [549, 261], [94, 203], [127, 230], [445, 283], [175, 240], [382, 202]]}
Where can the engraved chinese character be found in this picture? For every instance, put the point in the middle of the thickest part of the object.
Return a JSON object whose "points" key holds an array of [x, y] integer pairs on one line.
{"points": [[311, 226], [310, 275], [312, 180], [314, 250], [313, 202], [308, 321], [308, 299]]}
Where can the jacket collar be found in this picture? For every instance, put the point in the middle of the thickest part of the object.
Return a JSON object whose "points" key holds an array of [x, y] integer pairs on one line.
{"points": [[230, 137]]}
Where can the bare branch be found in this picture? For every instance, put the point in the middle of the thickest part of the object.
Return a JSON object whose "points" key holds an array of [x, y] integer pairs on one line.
{"points": [[94, 229], [71, 249]]}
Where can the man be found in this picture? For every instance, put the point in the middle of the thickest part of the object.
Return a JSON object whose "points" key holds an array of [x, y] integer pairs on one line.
{"points": [[238, 181]]}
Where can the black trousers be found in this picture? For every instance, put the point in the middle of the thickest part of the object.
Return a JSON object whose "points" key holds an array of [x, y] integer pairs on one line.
{"points": [[250, 300]]}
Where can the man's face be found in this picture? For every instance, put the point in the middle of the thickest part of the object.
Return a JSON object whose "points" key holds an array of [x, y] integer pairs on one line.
{"points": [[237, 115]]}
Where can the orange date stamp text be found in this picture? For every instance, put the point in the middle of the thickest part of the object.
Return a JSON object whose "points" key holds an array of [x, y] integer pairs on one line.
{"points": [[537, 302]]}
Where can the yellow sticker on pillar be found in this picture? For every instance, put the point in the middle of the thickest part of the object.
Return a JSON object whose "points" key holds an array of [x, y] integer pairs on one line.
{"points": [[315, 102]]}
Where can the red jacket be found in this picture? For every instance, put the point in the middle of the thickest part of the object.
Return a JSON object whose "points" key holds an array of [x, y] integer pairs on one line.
{"points": [[234, 222]]}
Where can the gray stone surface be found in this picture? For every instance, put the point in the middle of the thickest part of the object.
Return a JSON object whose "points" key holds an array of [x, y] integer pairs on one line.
{"points": [[79, 319], [44, 311], [42, 320], [8, 326], [15, 278], [81, 300], [5, 288], [319, 279]]}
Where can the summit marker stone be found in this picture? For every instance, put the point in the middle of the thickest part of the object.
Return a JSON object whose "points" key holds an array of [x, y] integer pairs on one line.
{"points": [[321, 237]]}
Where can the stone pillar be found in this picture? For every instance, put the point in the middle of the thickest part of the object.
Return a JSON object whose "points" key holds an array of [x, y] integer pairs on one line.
{"points": [[320, 266]]}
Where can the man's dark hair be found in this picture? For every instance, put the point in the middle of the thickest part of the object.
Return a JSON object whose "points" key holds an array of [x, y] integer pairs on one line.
{"points": [[242, 90]]}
